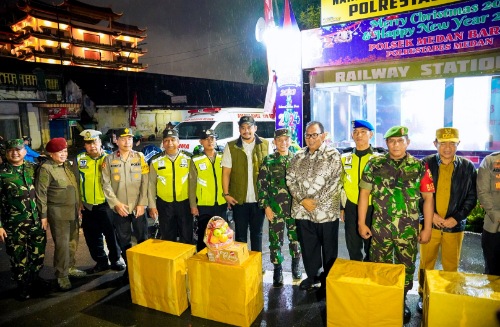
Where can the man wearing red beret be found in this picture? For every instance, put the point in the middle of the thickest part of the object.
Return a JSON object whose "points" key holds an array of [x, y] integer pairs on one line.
{"points": [[58, 200]]}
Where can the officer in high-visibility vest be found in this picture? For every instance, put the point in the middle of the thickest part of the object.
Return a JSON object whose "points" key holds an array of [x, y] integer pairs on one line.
{"points": [[168, 194], [205, 184], [354, 161], [96, 214]]}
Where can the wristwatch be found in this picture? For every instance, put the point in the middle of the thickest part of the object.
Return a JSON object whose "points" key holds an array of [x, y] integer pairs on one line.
{"points": [[225, 194]]}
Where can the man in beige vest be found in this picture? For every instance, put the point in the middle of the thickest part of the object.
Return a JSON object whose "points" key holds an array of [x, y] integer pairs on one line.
{"points": [[240, 167]]}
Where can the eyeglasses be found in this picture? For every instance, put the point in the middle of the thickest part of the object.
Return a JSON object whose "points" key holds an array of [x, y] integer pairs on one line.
{"points": [[448, 144], [313, 135]]}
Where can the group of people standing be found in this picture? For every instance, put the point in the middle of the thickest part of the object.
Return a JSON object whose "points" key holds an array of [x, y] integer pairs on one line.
{"points": [[389, 200]]}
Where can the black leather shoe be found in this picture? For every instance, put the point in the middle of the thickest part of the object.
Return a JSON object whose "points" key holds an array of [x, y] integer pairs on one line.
{"points": [[23, 292], [296, 273], [278, 276], [98, 268], [406, 315], [118, 266], [308, 284], [420, 305]]}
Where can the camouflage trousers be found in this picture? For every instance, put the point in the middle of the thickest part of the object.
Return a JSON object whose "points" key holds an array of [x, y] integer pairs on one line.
{"points": [[276, 231], [395, 245], [25, 245]]}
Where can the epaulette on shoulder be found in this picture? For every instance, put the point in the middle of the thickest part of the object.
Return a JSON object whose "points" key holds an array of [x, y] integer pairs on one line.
{"points": [[187, 153], [346, 150], [156, 156], [379, 150]]}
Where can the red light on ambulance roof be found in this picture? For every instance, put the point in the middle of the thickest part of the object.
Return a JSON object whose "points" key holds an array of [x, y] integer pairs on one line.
{"points": [[204, 111]]}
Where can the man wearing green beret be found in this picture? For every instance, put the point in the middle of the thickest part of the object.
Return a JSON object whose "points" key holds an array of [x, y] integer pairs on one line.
{"points": [[396, 181], [21, 228]]}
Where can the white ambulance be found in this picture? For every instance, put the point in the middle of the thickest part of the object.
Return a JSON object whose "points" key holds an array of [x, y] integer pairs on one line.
{"points": [[224, 121]]}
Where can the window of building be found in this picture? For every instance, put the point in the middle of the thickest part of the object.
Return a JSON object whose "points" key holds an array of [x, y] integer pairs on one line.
{"points": [[88, 37], [93, 55]]}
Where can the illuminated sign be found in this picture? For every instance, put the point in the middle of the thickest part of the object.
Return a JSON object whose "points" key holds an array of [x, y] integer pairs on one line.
{"points": [[339, 11], [21, 80], [485, 64], [469, 26]]}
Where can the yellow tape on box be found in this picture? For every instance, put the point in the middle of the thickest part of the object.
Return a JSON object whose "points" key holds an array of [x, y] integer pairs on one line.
{"points": [[157, 271], [364, 294], [226, 293], [460, 299]]}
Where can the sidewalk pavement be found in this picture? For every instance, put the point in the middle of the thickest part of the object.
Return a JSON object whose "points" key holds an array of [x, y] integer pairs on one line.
{"points": [[99, 300]]}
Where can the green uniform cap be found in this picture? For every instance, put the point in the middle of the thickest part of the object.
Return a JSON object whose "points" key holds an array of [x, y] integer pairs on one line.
{"points": [[396, 131], [282, 132], [15, 143]]}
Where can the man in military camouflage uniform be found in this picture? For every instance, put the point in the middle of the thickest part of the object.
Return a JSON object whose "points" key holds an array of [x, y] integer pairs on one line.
{"points": [[20, 227], [396, 181], [276, 200]]}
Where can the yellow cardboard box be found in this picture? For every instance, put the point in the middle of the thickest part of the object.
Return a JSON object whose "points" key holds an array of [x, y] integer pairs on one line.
{"points": [[365, 294], [226, 293], [157, 271], [234, 254], [460, 299]]}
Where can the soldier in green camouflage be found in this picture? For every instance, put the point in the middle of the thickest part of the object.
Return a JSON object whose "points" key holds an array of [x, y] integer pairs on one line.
{"points": [[276, 200], [20, 227], [396, 182]]}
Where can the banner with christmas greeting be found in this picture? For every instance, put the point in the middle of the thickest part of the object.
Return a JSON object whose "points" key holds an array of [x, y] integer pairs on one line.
{"points": [[469, 26], [339, 11]]}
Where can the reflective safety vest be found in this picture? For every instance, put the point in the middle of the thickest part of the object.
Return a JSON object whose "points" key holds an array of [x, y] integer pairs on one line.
{"points": [[353, 167], [172, 180], [90, 172], [209, 181]]}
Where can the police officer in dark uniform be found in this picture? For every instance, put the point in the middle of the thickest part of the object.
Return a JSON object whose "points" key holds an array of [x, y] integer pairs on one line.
{"points": [[169, 190], [96, 213]]}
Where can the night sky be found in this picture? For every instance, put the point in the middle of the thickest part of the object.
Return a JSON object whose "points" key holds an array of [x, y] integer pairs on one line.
{"points": [[199, 38]]}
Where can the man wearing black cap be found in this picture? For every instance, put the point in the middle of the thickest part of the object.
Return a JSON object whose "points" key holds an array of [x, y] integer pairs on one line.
{"points": [[168, 194], [96, 213], [21, 228], [354, 161], [240, 167], [205, 184], [125, 184]]}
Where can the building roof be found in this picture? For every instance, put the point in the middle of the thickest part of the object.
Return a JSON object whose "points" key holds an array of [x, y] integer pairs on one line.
{"points": [[77, 7], [128, 29], [38, 8], [116, 88]]}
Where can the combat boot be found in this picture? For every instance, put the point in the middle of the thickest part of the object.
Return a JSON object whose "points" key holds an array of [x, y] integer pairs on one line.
{"points": [[23, 291], [296, 273], [278, 276]]}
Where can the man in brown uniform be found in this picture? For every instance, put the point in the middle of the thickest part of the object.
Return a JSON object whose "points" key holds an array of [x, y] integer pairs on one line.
{"points": [[125, 185]]}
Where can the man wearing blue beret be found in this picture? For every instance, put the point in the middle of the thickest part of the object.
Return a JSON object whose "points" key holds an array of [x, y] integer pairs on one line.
{"points": [[354, 161]]}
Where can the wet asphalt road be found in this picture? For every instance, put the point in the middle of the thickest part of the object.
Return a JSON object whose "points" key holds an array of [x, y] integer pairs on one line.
{"points": [[100, 300]]}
